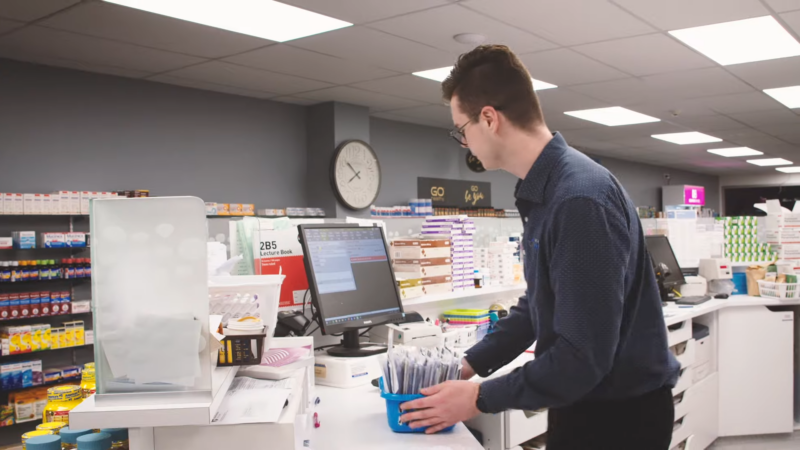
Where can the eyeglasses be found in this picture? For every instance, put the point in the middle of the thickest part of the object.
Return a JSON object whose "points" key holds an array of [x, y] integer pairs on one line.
{"points": [[457, 133]]}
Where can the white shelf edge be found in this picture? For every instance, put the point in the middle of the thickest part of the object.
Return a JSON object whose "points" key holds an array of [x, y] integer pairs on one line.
{"points": [[472, 294], [750, 263]]}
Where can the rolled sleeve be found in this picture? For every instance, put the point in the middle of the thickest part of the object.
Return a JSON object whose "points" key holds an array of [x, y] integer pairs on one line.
{"points": [[589, 247]]}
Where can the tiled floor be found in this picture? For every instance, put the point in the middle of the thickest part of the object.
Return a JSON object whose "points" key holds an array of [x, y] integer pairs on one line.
{"points": [[780, 442]]}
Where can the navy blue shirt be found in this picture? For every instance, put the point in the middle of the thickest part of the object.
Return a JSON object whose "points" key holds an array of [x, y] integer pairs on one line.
{"points": [[592, 303]]}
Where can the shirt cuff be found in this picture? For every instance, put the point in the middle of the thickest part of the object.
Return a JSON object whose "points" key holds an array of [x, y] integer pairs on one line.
{"points": [[496, 395], [481, 366]]}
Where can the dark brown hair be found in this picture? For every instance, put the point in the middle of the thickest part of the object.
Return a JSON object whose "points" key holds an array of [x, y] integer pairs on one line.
{"points": [[492, 75]]}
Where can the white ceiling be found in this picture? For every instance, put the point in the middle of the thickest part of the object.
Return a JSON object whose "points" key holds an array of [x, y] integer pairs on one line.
{"points": [[600, 53]]}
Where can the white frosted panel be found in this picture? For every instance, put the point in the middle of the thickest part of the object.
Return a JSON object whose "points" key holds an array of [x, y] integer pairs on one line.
{"points": [[150, 292]]}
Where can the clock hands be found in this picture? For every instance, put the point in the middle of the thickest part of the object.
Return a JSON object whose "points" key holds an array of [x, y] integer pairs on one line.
{"points": [[357, 174]]}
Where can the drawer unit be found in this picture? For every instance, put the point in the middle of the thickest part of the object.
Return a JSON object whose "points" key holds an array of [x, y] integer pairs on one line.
{"points": [[683, 404], [685, 381], [681, 430], [522, 426], [679, 332], [685, 352], [684, 445]]}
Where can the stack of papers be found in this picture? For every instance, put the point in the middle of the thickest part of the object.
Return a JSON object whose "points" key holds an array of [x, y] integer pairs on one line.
{"points": [[253, 401]]}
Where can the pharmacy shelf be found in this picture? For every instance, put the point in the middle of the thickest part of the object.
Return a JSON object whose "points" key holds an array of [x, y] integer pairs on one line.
{"points": [[41, 248], [52, 383], [44, 215], [42, 352], [486, 293], [267, 217], [39, 318], [55, 280]]}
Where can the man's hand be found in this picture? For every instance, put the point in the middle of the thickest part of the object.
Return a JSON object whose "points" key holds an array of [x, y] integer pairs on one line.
{"points": [[445, 405], [466, 370]]}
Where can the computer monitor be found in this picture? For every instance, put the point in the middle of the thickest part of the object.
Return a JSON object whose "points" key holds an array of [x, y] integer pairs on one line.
{"points": [[661, 253], [351, 282]]}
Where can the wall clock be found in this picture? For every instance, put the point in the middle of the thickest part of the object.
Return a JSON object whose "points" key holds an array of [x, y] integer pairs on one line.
{"points": [[355, 174]]}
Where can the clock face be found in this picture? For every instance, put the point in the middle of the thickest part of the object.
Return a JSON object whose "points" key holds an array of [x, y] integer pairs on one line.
{"points": [[356, 174]]}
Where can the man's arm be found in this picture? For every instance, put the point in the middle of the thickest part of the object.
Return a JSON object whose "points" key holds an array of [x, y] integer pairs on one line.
{"points": [[589, 249], [513, 335]]}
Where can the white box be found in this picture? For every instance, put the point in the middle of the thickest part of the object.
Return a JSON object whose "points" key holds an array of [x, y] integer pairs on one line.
{"points": [[63, 202], [2, 202], [81, 306], [74, 203], [18, 204], [85, 197], [28, 203], [47, 204], [8, 203]]}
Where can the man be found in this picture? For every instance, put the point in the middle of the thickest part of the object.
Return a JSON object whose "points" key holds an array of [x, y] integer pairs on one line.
{"points": [[602, 365]]}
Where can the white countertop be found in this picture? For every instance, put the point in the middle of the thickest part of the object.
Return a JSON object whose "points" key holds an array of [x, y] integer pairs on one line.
{"points": [[676, 314], [356, 419]]}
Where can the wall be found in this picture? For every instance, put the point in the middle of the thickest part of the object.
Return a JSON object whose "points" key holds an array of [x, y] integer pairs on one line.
{"points": [[65, 129], [413, 151]]}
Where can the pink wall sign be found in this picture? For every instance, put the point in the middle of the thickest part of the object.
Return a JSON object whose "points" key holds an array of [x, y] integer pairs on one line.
{"points": [[694, 195]]}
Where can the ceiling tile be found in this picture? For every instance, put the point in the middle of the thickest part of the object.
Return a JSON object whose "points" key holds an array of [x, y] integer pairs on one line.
{"points": [[566, 22], [746, 137], [406, 86], [706, 124], [646, 55], [741, 103], [782, 116], [433, 114], [562, 100], [41, 42], [696, 83], [28, 10], [769, 74], [196, 84], [283, 58], [558, 121], [295, 100], [621, 92], [360, 11], [564, 67], [644, 130], [375, 101], [69, 64], [784, 5], [793, 20], [408, 119], [677, 14], [669, 108], [375, 47], [788, 133], [109, 21], [8, 25], [436, 27], [246, 78]]}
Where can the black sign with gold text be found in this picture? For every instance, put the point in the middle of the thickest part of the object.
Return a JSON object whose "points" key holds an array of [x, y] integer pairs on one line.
{"points": [[455, 193]]}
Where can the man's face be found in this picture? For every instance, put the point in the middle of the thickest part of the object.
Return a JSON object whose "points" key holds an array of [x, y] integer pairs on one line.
{"points": [[480, 136]]}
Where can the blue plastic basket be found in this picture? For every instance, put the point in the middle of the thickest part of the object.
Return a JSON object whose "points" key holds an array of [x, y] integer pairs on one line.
{"points": [[393, 413]]}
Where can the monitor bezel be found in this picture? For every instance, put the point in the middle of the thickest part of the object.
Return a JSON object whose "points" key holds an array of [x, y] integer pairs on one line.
{"points": [[653, 262], [312, 285]]}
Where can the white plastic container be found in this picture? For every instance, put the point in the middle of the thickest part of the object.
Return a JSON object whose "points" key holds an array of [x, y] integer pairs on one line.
{"points": [[780, 291], [247, 295]]}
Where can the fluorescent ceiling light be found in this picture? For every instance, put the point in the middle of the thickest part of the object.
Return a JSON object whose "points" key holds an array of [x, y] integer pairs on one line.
{"points": [[442, 73], [770, 162], [612, 117], [741, 41], [260, 18], [789, 96], [736, 151], [795, 169], [691, 137]]}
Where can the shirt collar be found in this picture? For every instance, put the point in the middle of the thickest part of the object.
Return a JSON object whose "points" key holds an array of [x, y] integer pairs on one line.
{"points": [[532, 186]]}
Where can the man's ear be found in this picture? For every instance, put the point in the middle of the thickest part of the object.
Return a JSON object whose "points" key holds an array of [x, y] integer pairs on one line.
{"points": [[491, 116]]}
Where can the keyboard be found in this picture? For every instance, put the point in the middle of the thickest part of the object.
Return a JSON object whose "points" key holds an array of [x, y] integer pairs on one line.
{"points": [[693, 300]]}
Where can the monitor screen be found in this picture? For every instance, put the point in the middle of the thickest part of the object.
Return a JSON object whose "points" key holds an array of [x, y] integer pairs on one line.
{"points": [[661, 252], [350, 276]]}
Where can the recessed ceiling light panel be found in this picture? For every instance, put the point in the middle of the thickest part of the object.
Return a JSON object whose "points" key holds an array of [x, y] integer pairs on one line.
{"points": [[265, 19], [442, 73], [770, 162], [613, 116], [789, 96], [741, 41], [690, 137], [734, 152], [795, 169]]}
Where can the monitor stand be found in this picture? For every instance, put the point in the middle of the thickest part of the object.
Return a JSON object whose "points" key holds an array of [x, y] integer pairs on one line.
{"points": [[351, 347]]}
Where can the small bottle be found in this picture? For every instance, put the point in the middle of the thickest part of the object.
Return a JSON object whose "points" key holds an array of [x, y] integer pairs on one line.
{"points": [[55, 272], [69, 437], [88, 267], [80, 271], [88, 387], [95, 441], [65, 269], [16, 275], [33, 272], [44, 270], [5, 272], [71, 269], [25, 274]]}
